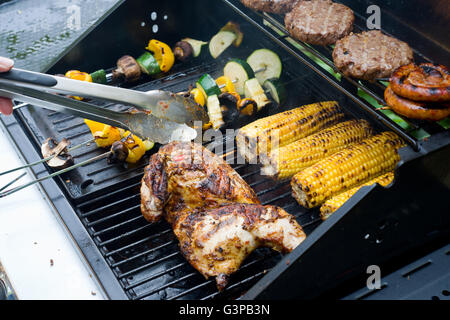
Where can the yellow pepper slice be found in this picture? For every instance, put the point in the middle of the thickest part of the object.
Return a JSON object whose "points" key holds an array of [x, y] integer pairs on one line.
{"points": [[227, 84], [107, 136], [78, 75], [199, 97], [104, 135], [135, 145], [162, 53], [94, 126]]}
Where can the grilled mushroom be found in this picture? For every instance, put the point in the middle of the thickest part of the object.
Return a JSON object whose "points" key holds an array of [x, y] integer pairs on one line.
{"points": [[128, 68], [183, 50], [119, 153], [229, 106], [61, 158]]}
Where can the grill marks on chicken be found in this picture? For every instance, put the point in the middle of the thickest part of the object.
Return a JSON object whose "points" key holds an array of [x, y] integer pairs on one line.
{"points": [[214, 213], [185, 177], [217, 241]]}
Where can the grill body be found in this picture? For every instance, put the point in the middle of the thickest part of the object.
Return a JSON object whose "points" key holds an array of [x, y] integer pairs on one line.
{"points": [[136, 260]]}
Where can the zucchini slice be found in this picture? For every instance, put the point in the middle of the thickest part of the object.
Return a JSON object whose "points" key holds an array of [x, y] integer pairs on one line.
{"points": [[196, 45], [268, 62], [208, 85], [238, 71], [214, 112], [276, 90], [253, 90], [148, 63], [221, 41]]}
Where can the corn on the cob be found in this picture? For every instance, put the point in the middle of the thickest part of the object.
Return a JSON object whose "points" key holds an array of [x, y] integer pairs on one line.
{"points": [[284, 162], [334, 203], [346, 169], [262, 135]]}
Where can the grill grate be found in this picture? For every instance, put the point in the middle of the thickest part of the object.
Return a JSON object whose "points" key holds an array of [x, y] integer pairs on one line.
{"points": [[146, 258]]}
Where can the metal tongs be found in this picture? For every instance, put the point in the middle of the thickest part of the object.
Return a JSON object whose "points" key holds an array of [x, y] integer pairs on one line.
{"points": [[160, 116]]}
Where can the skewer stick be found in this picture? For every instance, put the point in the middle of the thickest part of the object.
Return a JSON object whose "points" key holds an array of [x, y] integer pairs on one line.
{"points": [[46, 159], [16, 107], [57, 173]]}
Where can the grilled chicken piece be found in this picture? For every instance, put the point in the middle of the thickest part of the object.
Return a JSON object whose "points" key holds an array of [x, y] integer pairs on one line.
{"points": [[217, 241], [215, 215], [184, 177]]}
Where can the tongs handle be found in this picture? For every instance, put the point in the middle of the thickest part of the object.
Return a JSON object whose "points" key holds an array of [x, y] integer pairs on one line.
{"points": [[29, 77], [62, 104], [63, 85]]}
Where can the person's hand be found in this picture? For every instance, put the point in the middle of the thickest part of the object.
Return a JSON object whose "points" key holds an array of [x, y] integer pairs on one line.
{"points": [[6, 106]]}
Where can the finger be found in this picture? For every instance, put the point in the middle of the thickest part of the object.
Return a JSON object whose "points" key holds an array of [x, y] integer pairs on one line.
{"points": [[5, 64], [6, 106]]}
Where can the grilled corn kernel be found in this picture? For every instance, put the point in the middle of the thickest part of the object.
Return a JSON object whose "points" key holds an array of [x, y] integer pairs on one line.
{"points": [[263, 135], [284, 162], [346, 169], [334, 203]]}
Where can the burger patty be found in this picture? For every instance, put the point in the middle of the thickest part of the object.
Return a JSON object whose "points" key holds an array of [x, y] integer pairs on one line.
{"points": [[319, 22], [370, 55], [272, 6]]}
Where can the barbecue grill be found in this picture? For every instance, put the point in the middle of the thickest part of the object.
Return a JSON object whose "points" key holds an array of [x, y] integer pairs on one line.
{"points": [[133, 259]]}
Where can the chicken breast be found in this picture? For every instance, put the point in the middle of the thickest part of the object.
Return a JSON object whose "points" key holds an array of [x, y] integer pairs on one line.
{"points": [[214, 213], [185, 177], [216, 242]]}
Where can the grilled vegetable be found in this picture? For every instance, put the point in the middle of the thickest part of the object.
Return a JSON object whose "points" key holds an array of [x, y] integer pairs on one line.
{"points": [[135, 145], [238, 71], [267, 63], [198, 96], [346, 169], [247, 107], [196, 46], [104, 135], [220, 42], [162, 53], [207, 85], [148, 64], [225, 84], [128, 68], [286, 127], [284, 162], [415, 109], [61, 158], [276, 89], [183, 51], [229, 106], [334, 203], [214, 111], [254, 91], [234, 28], [148, 145], [119, 153], [78, 75], [99, 76]]}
